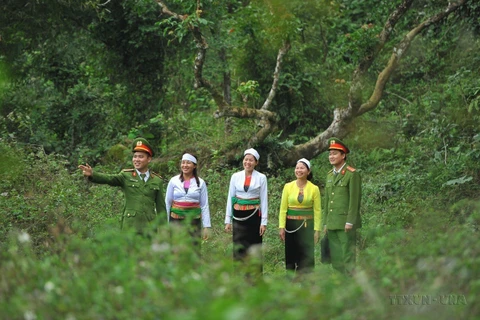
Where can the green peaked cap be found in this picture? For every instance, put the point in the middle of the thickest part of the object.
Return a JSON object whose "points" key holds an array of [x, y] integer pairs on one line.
{"points": [[337, 144], [141, 144]]}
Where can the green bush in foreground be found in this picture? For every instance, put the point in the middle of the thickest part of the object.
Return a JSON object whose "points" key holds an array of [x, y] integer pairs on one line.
{"points": [[115, 275], [63, 257]]}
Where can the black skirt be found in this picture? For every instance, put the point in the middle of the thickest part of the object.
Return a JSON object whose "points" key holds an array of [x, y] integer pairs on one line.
{"points": [[299, 245], [246, 234]]}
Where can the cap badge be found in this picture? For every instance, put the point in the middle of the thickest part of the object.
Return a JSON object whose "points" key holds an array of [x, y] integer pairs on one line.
{"points": [[332, 142], [139, 143]]}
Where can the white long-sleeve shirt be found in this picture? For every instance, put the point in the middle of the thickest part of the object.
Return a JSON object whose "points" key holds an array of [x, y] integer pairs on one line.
{"points": [[196, 194], [257, 190]]}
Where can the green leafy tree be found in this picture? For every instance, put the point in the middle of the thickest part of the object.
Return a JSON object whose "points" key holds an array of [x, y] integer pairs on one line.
{"points": [[371, 54], [80, 74]]}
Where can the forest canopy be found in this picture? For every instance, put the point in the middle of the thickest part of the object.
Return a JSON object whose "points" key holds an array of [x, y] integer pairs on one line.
{"points": [[81, 76]]}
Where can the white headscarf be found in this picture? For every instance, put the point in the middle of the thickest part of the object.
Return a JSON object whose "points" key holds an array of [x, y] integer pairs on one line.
{"points": [[253, 152], [189, 157], [305, 161]]}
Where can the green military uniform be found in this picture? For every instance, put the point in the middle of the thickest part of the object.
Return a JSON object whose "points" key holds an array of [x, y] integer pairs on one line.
{"points": [[144, 204], [343, 192], [143, 200]]}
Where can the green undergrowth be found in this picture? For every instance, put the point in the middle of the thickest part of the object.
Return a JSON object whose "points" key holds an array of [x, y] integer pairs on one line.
{"points": [[62, 255], [114, 275]]}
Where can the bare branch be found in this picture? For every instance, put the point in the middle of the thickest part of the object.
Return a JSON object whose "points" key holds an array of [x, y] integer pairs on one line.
{"points": [[200, 82], [356, 87], [247, 113], [391, 22], [276, 75], [399, 52], [105, 3], [202, 47], [399, 97], [170, 13], [340, 127], [262, 134], [267, 119]]}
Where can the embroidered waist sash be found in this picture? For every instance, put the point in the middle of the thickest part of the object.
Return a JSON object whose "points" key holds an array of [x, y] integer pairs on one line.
{"points": [[245, 204], [300, 212], [186, 208]]}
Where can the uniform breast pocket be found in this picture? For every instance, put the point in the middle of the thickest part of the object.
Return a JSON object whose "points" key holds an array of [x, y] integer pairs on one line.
{"points": [[134, 185], [154, 190], [341, 190]]}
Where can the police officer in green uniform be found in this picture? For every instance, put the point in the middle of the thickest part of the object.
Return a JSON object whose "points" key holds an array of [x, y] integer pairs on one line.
{"points": [[343, 192], [144, 201]]}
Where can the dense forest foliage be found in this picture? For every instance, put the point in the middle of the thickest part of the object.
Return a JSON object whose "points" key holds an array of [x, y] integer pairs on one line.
{"points": [[79, 80]]}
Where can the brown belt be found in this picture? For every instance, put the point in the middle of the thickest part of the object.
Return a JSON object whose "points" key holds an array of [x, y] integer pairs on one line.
{"points": [[300, 217], [176, 216]]}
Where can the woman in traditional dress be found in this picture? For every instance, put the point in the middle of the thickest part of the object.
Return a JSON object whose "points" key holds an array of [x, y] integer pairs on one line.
{"points": [[186, 199], [300, 219], [247, 208]]}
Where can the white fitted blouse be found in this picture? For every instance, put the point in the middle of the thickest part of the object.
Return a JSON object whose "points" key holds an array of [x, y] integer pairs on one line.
{"points": [[196, 194], [257, 190]]}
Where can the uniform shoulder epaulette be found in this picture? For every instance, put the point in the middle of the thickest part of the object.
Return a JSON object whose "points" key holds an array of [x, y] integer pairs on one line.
{"points": [[128, 170], [157, 175], [351, 169], [330, 171]]}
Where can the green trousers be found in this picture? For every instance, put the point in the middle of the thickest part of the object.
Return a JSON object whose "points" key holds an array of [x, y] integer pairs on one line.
{"points": [[342, 249]]}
